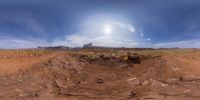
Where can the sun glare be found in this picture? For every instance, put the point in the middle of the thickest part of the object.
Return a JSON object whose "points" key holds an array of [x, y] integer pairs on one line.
{"points": [[107, 29]]}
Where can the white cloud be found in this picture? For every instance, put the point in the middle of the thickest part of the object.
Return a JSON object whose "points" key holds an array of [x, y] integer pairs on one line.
{"points": [[77, 40], [91, 32], [9, 43], [180, 44], [123, 25], [94, 32], [148, 39], [119, 32], [80, 40]]}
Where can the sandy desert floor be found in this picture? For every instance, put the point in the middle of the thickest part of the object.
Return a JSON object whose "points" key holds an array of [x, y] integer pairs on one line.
{"points": [[96, 74]]}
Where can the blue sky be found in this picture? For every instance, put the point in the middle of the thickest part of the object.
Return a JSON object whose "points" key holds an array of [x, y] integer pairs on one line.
{"points": [[115, 23]]}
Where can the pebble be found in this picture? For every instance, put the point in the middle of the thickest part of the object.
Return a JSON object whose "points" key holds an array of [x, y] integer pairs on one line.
{"points": [[99, 81], [134, 81], [186, 91]]}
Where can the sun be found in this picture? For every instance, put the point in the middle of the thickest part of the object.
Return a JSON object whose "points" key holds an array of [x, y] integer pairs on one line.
{"points": [[107, 29]]}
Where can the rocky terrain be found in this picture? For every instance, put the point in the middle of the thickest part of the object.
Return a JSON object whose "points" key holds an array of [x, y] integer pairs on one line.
{"points": [[100, 74]]}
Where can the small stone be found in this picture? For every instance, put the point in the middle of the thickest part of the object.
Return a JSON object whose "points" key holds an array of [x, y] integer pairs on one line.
{"points": [[186, 91], [130, 79], [163, 85], [20, 80], [145, 83], [99, 81], [84, 83], [4, 56], [133, 94], [134, 81], [23, 94], [60, 83], [18, 90], [34, 94]]}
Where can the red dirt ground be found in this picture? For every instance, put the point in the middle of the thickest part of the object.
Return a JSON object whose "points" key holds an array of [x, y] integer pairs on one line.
{"points": [[96, 74]]}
